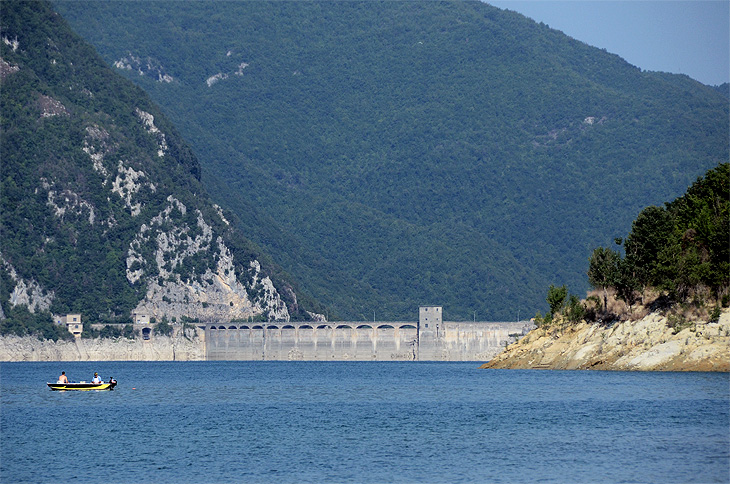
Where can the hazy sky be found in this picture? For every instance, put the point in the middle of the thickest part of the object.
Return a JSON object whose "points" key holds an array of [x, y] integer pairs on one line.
{"points": [[682, 36]]}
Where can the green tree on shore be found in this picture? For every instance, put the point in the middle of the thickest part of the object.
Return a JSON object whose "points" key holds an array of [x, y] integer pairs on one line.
{"points": [[681, 249], [603, 270]]}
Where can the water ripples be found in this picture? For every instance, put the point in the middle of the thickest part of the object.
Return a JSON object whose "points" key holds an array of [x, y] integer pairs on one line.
{"points": [[362, 422]]}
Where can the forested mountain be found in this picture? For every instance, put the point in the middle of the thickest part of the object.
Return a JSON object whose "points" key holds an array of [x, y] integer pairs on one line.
{"points": [[101, 207], [391, 154]]}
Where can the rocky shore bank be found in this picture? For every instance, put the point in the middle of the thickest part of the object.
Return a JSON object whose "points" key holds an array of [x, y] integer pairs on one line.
{"points": [[644, 345], [160, 348]]}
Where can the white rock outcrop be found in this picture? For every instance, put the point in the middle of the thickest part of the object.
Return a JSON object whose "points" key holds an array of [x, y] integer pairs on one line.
{"points": [[127, 184], [215, 78], [163, 247], [7, 68], [96, 146], [27, 292], [12, 43], [51, 107], [148, 121], [148, 66], [67, 202], [647, 344]]}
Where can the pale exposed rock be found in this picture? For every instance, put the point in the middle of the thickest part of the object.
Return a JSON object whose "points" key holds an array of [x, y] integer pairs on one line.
{"points": [[14, 44], [97, 147], [652, 358], [148, 121], [7, 68], [149, 66], [27, 292], [271, 299], [215, 78], [219, 210], [584, 353], [241, 67], [216, 295], [66, 201], [126, 185], [316, 316], [125, 63], [647, 344], [51, 107]]}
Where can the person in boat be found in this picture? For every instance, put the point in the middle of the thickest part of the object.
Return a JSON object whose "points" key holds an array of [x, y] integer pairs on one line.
{"points": [[97, 378], [62, 378]]}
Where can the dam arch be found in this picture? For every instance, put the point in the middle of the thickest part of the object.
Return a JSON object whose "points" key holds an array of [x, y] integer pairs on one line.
{"points": [[428, 339]]}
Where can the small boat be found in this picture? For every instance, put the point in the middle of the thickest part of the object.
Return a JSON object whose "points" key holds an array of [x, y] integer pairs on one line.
{"points": [[109, 385]]}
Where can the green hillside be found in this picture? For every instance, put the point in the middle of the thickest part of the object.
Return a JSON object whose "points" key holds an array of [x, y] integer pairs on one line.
{"points": [[391, 154], [100, 197]]}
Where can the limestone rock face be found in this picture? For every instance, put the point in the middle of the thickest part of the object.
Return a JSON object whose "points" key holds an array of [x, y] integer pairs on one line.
{"points": [[106, 212], [644, 345], [176, 238], [26, 292]]}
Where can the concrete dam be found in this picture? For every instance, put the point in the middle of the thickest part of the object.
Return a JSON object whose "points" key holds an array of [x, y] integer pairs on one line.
{"points": [[428, 339]]}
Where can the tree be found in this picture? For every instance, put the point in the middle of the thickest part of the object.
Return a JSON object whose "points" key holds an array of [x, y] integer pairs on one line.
{"points": [[574, 310], [682, 249], [556, 298], [163, 328], [650, 233], [626, 282], [603, 270]]}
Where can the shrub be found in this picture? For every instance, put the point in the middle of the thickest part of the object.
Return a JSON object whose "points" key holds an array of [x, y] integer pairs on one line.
{"points": [[556, 298], [89, 332], [129, 332], [678, 322], [163, 328], [575, 311], [715, 315], [111, 331], [21, 322]]}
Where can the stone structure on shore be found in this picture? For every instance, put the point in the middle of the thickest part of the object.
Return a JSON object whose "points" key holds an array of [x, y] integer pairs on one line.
{"points": [[183, 345], [428, 339]]}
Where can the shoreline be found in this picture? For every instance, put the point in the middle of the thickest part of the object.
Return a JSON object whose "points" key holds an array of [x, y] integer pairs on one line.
{"points": [[160, 348], [644, 345]]}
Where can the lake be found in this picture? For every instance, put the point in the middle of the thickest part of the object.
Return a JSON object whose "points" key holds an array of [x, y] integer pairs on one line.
{"points": [[361, 422]]}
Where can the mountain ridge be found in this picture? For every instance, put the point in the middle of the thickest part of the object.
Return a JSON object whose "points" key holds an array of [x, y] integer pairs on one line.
{"points": [[389, 153], [102, 209]]}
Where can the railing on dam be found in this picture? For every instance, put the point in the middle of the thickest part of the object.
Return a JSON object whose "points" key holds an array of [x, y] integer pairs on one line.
{"points": [[312, 325], [360, 340]]}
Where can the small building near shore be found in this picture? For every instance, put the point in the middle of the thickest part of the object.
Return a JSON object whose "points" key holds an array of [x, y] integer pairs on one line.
{"points": [[140, 318], [73, 324]]}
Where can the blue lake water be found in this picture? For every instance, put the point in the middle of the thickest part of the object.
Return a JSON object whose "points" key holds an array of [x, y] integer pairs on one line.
{"points": [[297, 422]]}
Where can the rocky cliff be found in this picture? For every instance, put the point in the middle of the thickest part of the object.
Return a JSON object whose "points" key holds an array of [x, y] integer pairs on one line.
{"points": [[646, 345], [102, 211]]}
